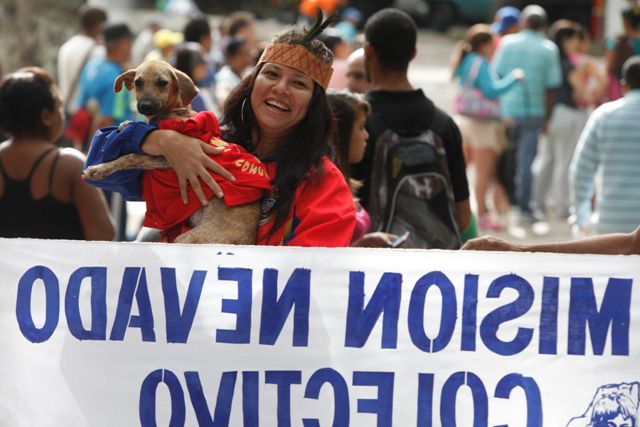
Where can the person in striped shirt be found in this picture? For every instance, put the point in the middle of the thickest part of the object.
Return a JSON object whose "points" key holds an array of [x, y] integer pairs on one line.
{"points": [[610, 145]]}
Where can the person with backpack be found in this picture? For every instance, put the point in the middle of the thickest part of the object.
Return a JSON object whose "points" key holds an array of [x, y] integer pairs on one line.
{"points": [[527, 107], [429, 141]]}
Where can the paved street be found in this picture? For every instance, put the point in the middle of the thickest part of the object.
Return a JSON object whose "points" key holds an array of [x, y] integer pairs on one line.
{"points": [[429, 71]]}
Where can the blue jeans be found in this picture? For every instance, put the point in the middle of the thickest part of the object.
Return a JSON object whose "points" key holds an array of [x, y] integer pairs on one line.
{"points": [[525, 132]]}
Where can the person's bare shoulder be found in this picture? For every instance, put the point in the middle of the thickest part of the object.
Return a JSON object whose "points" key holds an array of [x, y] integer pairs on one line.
{"points": [[71, 162]]}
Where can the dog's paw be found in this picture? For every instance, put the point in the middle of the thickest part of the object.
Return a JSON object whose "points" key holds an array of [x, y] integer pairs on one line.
{"points": [[124, 125], [94, 173]]}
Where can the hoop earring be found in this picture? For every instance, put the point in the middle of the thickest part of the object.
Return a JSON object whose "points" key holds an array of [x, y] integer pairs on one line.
{"points": [[244, 101]]}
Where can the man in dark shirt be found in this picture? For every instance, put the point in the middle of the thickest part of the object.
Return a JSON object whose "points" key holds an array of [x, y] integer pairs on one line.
{"points": [[390, 46]]}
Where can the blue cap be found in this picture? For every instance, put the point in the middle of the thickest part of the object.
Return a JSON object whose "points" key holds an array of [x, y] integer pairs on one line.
{"points": [[352, 14], [506, 17]]}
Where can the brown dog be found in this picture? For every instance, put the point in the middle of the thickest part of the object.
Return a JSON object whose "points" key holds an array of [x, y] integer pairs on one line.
{"points": [[163, 93]]}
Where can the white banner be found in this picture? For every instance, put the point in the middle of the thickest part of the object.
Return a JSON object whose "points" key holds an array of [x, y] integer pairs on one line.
{"points": [[108, 334]]}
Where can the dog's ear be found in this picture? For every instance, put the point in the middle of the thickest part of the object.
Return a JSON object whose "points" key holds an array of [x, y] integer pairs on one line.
{"points": [[126, 78], [188, 89]]}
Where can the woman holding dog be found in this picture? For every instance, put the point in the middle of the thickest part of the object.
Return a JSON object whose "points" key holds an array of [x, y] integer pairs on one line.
{"points": [[42, 194], [280, 113]]}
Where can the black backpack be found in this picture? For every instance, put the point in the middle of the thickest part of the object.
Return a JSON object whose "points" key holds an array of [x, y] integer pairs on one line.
{"points": [[411, 187]]}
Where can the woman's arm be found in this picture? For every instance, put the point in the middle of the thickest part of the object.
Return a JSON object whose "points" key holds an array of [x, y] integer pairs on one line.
{"points": [[492, 86], [188, 156], [606, 244]]}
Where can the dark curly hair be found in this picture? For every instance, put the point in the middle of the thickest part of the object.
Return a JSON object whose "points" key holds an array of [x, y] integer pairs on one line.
{"points": [[24, 94], [301, 152]]}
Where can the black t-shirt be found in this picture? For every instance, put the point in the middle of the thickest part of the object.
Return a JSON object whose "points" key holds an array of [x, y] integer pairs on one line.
{"points": [[410, 113]]}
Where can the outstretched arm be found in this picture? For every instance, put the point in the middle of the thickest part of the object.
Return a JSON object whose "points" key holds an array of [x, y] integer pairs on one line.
{"points": [[188, 156], [605, 244]]}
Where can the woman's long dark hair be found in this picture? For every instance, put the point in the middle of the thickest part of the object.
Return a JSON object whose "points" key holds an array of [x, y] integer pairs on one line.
{"points": [[298, 155], [560, 31], [345, 106]]}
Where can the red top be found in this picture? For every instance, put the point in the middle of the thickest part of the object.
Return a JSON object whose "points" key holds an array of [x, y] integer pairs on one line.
{"points": [[322, 213], [161, 190]]}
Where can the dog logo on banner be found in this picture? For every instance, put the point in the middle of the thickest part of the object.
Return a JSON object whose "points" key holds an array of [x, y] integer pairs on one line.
{"points": [[614, 405]]}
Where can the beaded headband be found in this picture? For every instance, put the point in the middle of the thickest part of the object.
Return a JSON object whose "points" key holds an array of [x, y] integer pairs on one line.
{"points": [[298, 56]]}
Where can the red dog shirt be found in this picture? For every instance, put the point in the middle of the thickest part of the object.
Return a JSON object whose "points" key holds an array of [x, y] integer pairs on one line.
{"points": [[161, 190]]}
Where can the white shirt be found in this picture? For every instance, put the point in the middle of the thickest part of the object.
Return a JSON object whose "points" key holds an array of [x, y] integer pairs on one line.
{"points": [[71, 57]]}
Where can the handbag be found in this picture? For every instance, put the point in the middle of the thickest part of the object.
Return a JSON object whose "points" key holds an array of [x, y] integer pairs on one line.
{"points": [[471, 102]]}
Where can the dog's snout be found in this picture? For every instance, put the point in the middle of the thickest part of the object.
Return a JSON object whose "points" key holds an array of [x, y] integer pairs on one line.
{"points": [[149, 107]]}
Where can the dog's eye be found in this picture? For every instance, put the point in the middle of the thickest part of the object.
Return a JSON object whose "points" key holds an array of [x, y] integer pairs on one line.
{"points": [[163, 83], [138, 83]]}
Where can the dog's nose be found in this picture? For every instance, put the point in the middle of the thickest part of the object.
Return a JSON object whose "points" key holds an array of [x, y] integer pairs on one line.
{"points": [[147, 107]]}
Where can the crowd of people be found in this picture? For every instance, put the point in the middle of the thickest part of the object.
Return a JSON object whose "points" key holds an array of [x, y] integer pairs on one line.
{"points": [[548, 129]]}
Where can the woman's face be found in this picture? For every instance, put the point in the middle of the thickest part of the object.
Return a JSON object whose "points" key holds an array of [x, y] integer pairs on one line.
{"points": [[280, 99], [359, 137]]}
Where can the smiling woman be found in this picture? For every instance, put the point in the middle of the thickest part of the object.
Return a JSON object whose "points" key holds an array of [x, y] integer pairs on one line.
{"points": [[280, 113]]}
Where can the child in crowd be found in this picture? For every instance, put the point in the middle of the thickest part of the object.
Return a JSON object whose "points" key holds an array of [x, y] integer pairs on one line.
{"points": [[350, 111]]}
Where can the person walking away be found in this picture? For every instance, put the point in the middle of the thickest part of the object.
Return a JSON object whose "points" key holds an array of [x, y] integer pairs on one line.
{"points": [[506, 21], [608, 146], [483, 137], [527, 106], [551, 187], [42, 194], [390, 46], [76, 52]]}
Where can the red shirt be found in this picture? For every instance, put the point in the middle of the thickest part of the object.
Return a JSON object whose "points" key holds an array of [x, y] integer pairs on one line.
{"points": [[161, 190], [322, 214]]}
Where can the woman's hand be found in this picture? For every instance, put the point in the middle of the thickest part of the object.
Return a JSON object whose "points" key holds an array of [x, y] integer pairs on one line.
{"points": [[189, 157], [375, 240], [489, 243]]}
